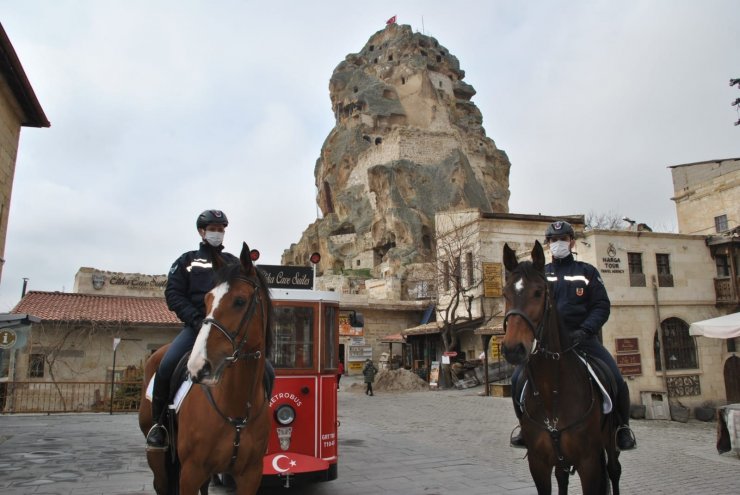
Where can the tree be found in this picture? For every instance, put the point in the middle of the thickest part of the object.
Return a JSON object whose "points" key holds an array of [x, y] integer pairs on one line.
{"points": [[606, 221], [459, 280]]}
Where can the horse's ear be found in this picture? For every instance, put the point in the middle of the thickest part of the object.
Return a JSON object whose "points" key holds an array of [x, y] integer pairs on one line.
{"points": [[538, 257], [246, 259], [510, 261]]}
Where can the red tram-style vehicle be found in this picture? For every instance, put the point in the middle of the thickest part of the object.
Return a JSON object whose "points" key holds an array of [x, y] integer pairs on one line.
{"points": [[305, 353]]}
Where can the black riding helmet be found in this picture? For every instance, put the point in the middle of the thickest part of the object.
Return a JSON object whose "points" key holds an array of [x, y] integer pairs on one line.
{"points": [[559, 228], [210, 217]]}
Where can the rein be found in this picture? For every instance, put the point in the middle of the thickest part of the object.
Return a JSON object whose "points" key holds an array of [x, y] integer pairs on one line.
{"points": [[539, 347], [239, 423]]}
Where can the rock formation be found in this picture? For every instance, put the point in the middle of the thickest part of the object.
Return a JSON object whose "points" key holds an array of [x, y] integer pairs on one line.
{"points": [[407, 143]]}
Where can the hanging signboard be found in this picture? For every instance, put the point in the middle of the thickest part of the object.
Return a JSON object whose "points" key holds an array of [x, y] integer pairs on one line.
{"points": [[492, 280], [434, 374]]}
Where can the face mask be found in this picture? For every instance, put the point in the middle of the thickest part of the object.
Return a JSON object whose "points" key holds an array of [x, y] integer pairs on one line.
{"points": [[560, 249], [214, 238]]}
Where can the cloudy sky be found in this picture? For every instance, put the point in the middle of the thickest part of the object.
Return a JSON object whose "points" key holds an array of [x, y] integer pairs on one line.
{"points": [[162, 109]]}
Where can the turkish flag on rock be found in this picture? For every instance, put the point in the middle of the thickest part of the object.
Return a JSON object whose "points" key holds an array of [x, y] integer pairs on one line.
{"points": [[392, 20]]}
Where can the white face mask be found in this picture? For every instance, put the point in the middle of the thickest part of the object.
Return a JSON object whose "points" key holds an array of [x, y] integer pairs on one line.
{"points": [[214, 238], [560, 249]]}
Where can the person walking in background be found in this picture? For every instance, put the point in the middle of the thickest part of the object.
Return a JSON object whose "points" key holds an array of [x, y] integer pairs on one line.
{"points": [[340, 372], [369, 372]]}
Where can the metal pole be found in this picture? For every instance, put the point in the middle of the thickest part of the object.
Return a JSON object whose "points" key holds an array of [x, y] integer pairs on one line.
{"points": [[112, 380], [661, 343]]}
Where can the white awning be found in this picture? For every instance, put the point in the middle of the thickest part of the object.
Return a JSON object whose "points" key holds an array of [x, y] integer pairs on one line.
{"points": [[723, 327]]}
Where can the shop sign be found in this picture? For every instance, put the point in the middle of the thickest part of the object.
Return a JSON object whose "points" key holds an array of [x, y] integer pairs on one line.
{"points": [[347, 330], [287, 277], [7, 339], [611, 263], [492, 280], [360, 352], [434, 374], [628, 360]]}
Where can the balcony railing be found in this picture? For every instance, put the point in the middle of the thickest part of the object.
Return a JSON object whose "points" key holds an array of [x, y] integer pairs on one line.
{"points": [[724, 290]]}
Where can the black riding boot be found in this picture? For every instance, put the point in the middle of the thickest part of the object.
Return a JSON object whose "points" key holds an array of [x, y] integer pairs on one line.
{"points": [[157, 438], [517, 440], [625, 437]]}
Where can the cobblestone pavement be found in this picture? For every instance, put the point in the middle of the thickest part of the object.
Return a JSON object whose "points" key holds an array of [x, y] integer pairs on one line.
{"points": [[421, 443]]}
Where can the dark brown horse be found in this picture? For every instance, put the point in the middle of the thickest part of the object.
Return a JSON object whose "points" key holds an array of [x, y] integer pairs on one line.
{"points": [[223, 423], [562, 422]]}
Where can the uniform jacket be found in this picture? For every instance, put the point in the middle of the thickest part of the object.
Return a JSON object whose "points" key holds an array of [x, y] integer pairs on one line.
{"points": [[579, 294], [189, 280]]}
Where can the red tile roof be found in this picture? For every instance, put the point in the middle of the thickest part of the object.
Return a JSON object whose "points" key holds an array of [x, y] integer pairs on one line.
{"points": [[64, 307]]}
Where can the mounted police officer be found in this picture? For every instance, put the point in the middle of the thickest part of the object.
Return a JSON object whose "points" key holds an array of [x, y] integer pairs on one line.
{"points": [[583, 306], [189, 280]]}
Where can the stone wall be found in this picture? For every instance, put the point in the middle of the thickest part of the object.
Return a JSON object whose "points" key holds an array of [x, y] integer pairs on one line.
{"points": [[703, 191], [10, 128]]}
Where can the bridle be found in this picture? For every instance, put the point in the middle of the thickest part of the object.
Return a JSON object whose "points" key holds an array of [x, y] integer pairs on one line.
{"points": [[538, 344], [239, 423], [254, 301]]}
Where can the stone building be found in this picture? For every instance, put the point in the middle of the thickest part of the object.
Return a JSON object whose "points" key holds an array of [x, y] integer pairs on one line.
{"points": [[707, 196], [19, 107], [655, 280], [71, 344]]}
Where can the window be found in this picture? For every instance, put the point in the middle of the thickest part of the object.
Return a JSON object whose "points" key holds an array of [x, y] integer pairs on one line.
{"points": [[36, 366], [457, 273], [637, 277], [469, 268], [446, 275], [293, 337], [720, 223], [330, 337], [665, 278], [723, 265], [680, 349]]}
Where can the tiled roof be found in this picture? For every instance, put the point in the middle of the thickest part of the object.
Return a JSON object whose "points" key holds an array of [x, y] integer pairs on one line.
{"points": [[62, 307]]}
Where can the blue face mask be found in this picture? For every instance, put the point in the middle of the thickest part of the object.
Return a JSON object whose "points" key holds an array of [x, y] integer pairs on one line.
{"points": [[215, 239], [560, 249]]}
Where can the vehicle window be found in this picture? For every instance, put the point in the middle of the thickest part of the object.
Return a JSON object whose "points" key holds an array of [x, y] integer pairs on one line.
{"points": [[293, 337]]}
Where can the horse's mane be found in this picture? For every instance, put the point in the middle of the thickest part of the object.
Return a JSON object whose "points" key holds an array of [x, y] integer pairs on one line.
{"points": [[232, 271]]}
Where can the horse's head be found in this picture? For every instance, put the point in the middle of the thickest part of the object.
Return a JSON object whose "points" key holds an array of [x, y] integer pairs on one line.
{"points": [[236, 326], [526, 295]]}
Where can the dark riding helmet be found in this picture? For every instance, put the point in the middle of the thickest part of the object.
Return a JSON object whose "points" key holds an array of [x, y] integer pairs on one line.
{"points": [[559, 228], [210, 217]]}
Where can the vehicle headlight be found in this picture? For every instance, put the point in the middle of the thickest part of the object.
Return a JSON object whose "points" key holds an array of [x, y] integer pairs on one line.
{"points": [[285, 415]]}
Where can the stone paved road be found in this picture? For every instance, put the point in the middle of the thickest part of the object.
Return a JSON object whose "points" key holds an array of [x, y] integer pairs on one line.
{"points": [[422, 443]]}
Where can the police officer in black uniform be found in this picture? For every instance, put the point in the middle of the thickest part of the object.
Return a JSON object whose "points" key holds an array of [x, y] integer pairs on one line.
{"points": [[189, 280], [583, 306]]}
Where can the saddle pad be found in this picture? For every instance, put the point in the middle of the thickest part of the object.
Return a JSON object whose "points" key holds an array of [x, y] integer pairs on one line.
{"points": [[606, 406], [179, 396]]}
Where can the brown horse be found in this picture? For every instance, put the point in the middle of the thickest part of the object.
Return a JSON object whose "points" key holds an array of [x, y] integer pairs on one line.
{"points": [[562, 421], [223, 422]]}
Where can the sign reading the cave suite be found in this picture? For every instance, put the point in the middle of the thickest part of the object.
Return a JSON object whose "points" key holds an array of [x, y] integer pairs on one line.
{"points": [[611, 263]]}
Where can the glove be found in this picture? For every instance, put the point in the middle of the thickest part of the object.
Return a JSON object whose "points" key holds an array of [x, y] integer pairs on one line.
{"points": [[196, 324], [578, 336]]}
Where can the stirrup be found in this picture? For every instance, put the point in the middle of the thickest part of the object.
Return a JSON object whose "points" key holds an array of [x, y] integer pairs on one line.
{"points": [[631, 434], [513, 435], [165, 442]]}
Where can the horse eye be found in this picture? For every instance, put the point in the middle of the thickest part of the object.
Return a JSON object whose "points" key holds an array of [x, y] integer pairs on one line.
{"points": [[538, 293], [240, 302]]}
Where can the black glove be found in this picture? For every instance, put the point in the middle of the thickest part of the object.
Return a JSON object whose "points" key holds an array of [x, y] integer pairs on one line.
{"points": [[578, 336], [196, 324]]}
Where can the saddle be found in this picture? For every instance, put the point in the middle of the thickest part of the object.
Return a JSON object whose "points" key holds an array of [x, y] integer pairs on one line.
{"points": [[180, 382], [598, 370]]}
